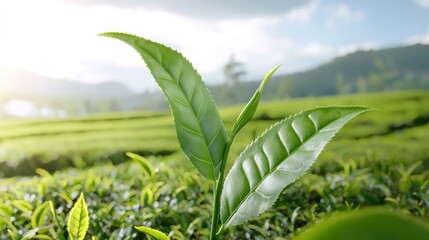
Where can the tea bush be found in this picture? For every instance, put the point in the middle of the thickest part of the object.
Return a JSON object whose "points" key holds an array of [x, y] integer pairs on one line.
{"points": [[177, 200]]}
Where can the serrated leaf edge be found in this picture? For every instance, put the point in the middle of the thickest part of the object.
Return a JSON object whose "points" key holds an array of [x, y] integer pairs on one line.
{"points": [[215, 167], [364, 109], [79, 205]]}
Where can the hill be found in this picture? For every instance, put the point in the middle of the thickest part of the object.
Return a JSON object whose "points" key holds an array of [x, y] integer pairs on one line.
{"points": [[26, 84], [399, 68], [38, 93], [25, 144]]}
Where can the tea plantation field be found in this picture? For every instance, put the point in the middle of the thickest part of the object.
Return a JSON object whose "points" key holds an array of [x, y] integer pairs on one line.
{"points": [[379, 158]]}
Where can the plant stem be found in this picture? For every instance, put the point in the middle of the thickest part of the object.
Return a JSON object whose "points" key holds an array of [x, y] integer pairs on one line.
{"points": [[218, 191], [215, 216]]}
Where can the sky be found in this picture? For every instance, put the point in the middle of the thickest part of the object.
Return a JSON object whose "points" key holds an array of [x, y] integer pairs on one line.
{"points": [[58, 38]]}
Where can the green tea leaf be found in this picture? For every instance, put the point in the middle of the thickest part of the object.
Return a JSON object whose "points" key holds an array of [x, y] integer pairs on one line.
{"points": [[6, 222], [147, 196], [6, 210], [200, 131], [43, 173], [23, 205], [282, 154], [152, 233], [13, 235], [144, 163], [64, 196], [369, 224], [42, 236], [39, 214], [78, 222], [250, 109], [3, 222], [54, 214], [30, 234]]}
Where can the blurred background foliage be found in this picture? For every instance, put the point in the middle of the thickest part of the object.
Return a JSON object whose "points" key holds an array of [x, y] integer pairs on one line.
{"points": [[72, 105]]}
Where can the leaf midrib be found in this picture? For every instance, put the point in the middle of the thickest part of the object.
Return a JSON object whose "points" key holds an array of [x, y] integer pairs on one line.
{"points": [[80, 219], [275, 168], [189, 100]]}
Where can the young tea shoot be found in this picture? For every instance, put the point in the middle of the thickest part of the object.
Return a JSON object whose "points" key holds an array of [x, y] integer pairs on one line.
{"points": [[78, 222], [275, 159]]}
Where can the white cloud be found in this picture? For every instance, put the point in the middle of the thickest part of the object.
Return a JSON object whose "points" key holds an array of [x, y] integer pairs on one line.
{"points": [[304, 13], [342, 13], [344, 50], [423, 39], [422, 3], [216, 9], [248, 40], [59, 40], [314, 50]]}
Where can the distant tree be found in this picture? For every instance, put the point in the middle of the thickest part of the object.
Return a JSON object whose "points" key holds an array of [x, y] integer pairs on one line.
{"points": [[342, 86], [113, 107], [86, 106], [361, 85], [233, 70], [376, 82]]}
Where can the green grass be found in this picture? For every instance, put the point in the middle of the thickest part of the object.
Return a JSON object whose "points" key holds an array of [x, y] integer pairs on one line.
{"points": [[380, 158], [180, 202], [54, 144]]}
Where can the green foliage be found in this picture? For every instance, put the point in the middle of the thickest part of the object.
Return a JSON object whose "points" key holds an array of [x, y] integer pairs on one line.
{"points": [[39, 214], [250, 109], [13, 235], [181, 196], [152, 233], [368, 224], [144, 163], [56, 220], [200, 131], [57, 144], [293, 144], [395, 69], [277, 158], [78, 222], [343, 179]]}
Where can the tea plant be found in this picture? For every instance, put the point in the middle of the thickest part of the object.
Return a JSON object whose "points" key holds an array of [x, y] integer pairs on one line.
{"points": [[372, 223], [282, 154], [124, 195], [78, 222]]}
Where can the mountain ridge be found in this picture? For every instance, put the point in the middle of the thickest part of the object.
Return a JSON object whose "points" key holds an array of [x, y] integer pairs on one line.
{"points": [[395, 68], [361, 71], [27, 84]]}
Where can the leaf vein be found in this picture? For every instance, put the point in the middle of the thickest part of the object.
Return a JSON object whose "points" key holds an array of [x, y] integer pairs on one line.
{"points": [[296, 133], [253, 189], [246, 178], [180, 73], [200, 159], [257, 168], [193, 110], [264, 155], [283, 143], [262, 195], [314, 124], [214, 136], [191, 131], [182, 103]]}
